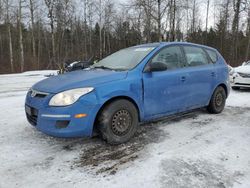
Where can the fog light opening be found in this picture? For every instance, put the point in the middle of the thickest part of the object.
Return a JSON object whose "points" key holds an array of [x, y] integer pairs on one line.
{"points": [[60, 124], [80, 115]]}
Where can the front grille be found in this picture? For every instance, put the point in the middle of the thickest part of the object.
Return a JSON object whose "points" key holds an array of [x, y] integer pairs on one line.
{"points": [[242, 84], [38, 94], [244, 75]]}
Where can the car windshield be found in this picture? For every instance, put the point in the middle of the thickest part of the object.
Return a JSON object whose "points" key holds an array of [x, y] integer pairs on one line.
{"points": [[246, 63], [125, 59]]}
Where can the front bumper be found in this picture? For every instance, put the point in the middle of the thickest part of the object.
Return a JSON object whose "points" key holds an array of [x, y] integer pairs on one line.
{"points": [[61, 121], [240, 82]]}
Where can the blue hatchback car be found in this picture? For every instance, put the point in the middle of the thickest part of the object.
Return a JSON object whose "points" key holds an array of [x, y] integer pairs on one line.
{"points": [[133, 85]]}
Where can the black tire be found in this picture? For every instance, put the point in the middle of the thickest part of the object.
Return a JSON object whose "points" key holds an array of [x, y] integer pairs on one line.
{"points": [[217, 101], [235, 88], [118, 121]]}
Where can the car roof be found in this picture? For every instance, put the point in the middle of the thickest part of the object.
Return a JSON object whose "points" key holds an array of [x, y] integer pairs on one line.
{"points": [[162, 44], [155, 44]]}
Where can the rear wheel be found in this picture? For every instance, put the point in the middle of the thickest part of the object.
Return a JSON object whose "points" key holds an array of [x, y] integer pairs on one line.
{"points": [[218, 101], [118, 121]]}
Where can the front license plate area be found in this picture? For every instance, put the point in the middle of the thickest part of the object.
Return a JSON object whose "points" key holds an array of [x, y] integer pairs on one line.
{"points": [[28, 110], [31, 114]]}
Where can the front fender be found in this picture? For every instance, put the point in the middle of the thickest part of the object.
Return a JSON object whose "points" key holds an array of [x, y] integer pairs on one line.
{"points": [[124, 89]]}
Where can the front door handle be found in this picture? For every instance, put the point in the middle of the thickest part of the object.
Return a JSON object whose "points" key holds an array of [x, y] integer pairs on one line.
{"points": [[213, 74]]}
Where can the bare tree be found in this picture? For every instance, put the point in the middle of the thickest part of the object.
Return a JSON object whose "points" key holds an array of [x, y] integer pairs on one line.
{"points": [[208, 3], [7, 8], [1, 41], [85, 4], [226, 13], [19, 19], [161, 9], [100, 9], [108, 14], [172, 19], [90, 23], [1, 10], [248, 32], [39, 42], [31, 7], [187, 14], [235, 29], [194, 9], [51, 11]]}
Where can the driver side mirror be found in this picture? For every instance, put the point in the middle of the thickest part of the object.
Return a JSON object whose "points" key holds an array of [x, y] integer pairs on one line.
{"points": [[155, 67]]}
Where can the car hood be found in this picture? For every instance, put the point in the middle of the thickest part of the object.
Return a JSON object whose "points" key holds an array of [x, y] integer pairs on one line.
{"points": [[76, 79], [243, 69]]}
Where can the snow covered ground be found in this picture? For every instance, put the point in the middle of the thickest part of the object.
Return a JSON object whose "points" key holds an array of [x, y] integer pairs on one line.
{"points": [[194, 150]]}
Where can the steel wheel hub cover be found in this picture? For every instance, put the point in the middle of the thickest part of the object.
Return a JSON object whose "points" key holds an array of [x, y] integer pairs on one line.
{"points": [[121, 122]]}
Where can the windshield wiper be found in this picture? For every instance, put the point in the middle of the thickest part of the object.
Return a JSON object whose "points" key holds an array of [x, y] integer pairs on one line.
{"points": [[108, 68], [103, 67]]}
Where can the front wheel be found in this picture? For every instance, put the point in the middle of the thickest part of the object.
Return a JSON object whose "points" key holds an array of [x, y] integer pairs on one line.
{"points": [[218, 101], [118, 121]]}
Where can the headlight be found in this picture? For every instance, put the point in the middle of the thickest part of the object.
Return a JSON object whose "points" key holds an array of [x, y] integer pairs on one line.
{"points": [[69, 97], [231, 72], [236, 74]]}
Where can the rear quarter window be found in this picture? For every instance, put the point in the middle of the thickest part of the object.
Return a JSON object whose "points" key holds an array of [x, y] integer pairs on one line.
{"points": [[195, 56], [212, 54]]}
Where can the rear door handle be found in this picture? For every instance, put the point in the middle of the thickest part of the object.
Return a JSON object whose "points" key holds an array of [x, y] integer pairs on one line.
{"points": [[212, 74], [183, 78]]}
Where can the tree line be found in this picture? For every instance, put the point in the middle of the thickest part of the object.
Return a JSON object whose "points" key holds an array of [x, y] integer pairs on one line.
{"points": [[44, 34]]}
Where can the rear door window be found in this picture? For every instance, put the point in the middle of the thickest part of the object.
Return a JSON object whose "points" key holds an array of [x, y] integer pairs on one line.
{"points": [[212, 54], [195, 56]]}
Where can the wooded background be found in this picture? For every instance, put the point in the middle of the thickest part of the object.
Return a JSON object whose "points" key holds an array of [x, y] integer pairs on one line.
{"points": [[43, 34]]}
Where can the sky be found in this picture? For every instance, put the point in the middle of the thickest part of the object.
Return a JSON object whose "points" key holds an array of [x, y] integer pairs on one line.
{"points": [[212, 19]]}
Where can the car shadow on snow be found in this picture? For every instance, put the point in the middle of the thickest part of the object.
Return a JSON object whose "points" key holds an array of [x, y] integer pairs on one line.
{"points": [[102, 158]]}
